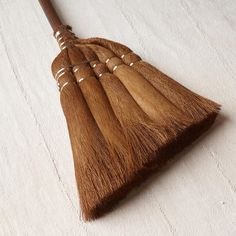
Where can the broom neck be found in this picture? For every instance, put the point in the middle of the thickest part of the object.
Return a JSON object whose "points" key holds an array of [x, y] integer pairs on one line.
{"points": [[51, 14], [62, 32]]}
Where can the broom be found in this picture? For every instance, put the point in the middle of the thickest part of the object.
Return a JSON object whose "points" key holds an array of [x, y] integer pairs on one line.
{"points": [[200, 110], [119, 125]]}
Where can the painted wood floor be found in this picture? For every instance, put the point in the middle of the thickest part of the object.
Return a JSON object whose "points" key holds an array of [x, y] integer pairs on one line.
{"points": [[193, 41]]}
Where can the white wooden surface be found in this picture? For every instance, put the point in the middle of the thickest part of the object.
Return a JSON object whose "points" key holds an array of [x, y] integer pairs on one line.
{"points": [[194, 41]]}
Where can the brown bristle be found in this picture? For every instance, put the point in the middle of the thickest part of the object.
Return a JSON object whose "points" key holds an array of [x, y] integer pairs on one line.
{"points": [[152, 102], [142, 134], [105, 125], [191, 103], [199, 111], [198, 108], [103, 114], [124, 116], [100, 174]]}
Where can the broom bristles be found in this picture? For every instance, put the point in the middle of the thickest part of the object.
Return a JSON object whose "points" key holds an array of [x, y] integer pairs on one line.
{"points": [[152, 102], [107, 122], [97, 170], [192, 104], [142, 135], [100, 174], [102, 112], [201, 112], [140, 120], [104, 163], [148, 138]]}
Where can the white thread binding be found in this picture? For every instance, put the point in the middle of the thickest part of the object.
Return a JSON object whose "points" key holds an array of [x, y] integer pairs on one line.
{"points": [[57, 33], [114, 68], [63, 86], [57, 75], [61, 44], [80, 80], [59, 38], [60, 75], [63, 47], [76, 69]]}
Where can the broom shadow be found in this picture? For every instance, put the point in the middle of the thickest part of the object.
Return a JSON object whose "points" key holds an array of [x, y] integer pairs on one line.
{"points": [[150, 178]]}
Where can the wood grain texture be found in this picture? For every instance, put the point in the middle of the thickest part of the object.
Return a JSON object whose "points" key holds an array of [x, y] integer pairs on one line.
{"points": [[192, 41]]}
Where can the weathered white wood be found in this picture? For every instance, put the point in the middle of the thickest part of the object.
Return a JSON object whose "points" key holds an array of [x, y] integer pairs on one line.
{"points": [[195, 44]]}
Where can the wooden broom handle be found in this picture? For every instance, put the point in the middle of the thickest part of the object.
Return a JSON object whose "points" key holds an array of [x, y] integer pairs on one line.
{"points": [[51, 14]]}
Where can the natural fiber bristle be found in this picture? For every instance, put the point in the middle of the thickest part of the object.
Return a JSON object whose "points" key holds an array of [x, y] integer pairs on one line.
{"points": [[199, 110], [191, 103], [121, 122], [155, 105], [194, 105], [143, 136], [124, 116], [100, 174], [103, 114], [92, 159]]}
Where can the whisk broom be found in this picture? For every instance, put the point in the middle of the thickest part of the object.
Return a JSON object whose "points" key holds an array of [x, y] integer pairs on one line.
{"points": [[123, 115]]}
